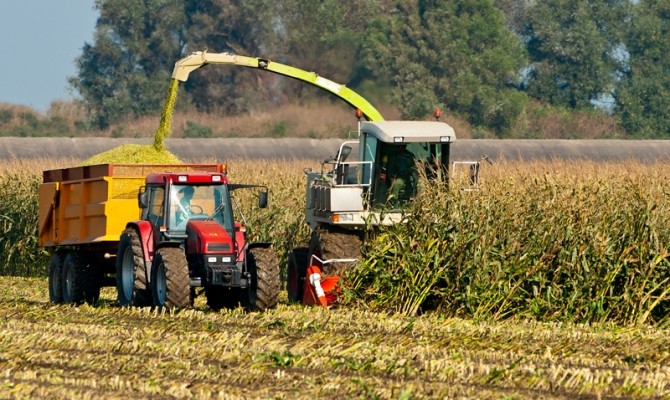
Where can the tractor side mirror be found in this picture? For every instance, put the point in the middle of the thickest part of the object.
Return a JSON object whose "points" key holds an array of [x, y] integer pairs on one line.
{"points": [[143, 198], [263, 199]]}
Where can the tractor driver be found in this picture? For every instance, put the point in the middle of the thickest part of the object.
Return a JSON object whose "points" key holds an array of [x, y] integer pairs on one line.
{"points": [[403, 174], [184, 208]]}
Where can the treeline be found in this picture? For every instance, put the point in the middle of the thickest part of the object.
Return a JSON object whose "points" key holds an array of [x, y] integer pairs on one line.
{"points": [[504, 68]]}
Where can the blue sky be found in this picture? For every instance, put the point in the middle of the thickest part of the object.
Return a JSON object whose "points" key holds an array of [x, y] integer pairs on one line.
{"points": [[40, 41]]}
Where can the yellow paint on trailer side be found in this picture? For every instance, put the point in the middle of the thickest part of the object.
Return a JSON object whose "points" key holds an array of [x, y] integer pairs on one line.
{"points": [[93, 204], [90, 210]]}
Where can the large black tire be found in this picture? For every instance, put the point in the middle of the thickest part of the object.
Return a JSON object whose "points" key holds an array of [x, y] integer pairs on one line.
{"points": [[296, 273], [333, 243], [170, 282], [132, 285], [263, 290], [78, 281], [219, 297], [56, 278]]}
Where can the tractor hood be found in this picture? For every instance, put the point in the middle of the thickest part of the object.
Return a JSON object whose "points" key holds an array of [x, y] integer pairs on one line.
{"points": [[208, 237]]}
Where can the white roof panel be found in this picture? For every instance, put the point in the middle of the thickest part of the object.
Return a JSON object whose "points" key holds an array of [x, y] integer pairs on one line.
{"points": [[411, 131]]}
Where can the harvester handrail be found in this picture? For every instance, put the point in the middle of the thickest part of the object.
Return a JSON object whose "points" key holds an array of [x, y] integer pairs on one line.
{"points": [[188, 64]]}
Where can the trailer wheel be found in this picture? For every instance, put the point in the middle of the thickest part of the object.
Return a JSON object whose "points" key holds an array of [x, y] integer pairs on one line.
{"points": [[73, 278], [263, 289], [55, 278], [170, 282], [131, 275], [295, 274]]}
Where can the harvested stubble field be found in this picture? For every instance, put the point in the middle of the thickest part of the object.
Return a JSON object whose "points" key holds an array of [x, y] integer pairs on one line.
{"points": [[51, 351], [549, 282]]}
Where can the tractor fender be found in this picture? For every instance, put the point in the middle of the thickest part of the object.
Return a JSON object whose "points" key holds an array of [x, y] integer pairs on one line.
{"points": [[242, 257], [146, 232]]}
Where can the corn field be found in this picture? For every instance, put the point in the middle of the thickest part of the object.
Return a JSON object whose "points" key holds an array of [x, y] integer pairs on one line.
{"points": [[550, 281], [557, 241]]}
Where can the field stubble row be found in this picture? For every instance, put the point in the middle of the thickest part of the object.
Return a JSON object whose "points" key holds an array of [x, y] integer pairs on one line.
{"points": [[52, 351]]}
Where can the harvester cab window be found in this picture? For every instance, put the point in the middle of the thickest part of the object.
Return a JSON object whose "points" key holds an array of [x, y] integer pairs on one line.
{"points": [[396, 173]]}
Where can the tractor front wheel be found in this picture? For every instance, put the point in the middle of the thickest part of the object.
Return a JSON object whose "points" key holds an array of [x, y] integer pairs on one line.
{"points": [[131, 275], [264, 285], [170, 282]]}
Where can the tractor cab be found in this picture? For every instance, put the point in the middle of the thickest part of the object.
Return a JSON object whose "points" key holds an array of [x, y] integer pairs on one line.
{"points": [[374, 187], [171, 201]]}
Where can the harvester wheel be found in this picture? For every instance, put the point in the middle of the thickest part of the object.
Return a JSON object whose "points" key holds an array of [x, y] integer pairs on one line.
{"points": [[73, 278], [55, 278], [131, 275], [329, 244], [219, 297], [170, 282], [295, 274], [263, 290]]}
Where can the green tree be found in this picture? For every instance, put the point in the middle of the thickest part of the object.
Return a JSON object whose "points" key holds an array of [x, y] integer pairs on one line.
{"points": [[126, 71], [572, 46], [243, 27], [457, 53], [643, 97]]}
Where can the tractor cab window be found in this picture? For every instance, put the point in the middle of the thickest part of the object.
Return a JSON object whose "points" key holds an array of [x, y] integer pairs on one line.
{"points": [[208, 202], [156, 207]]}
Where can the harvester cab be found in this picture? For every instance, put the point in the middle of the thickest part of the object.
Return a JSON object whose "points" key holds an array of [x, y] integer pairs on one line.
{"points": [[374, 188]]}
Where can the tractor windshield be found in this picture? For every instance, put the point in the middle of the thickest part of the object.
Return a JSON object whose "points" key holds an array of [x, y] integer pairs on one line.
{"points": [[206, 202]]}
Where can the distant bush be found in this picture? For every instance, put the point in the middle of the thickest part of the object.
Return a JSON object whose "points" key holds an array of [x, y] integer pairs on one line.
{"points": [[196, 130]]}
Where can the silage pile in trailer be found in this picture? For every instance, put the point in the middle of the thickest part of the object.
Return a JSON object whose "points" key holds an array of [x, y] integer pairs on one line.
{"points": [[145, 154]]}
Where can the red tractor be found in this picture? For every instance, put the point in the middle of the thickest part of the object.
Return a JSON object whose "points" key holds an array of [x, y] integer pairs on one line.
{"points": [[181, 239], [186, 239]]}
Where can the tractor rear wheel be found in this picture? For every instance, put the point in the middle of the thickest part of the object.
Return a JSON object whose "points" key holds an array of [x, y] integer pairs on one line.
{"points": [[170, 282], [56, 278], [131, 275], [264, 287], [295, 273]]}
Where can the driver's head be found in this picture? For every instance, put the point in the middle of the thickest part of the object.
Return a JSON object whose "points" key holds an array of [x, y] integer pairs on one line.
{"points": [[187, 191]]}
